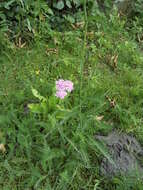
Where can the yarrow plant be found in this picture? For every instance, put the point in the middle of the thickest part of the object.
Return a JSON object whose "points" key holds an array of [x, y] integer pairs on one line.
{"points": [[63, 87]]}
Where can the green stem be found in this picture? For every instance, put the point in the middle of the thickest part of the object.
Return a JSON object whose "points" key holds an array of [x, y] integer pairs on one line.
{"points": [[83, 54]]}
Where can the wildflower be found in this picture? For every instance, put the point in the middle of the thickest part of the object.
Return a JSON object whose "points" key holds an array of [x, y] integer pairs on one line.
{"points": [[62, 87]]}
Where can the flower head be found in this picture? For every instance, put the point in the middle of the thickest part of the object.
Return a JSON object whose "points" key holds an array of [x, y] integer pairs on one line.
{"points": [[62, 87]]}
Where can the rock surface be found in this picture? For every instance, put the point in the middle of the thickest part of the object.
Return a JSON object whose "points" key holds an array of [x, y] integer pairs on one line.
{"points": [[124, 150], [123, 6]]}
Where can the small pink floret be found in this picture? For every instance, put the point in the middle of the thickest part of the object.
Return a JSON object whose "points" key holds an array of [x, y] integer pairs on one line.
{"points": [[60, 85], [68, 86], [61, 94]]}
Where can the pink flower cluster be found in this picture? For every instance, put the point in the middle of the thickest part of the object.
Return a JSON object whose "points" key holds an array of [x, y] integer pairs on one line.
{"points": [[63, 87]]}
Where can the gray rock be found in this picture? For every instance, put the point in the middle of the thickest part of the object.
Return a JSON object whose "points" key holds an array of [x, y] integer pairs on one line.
{"points": [[124, 6], [124, 150]]}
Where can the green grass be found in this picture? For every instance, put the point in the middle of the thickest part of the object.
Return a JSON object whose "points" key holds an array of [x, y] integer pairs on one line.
{"points": [[51, 148]]}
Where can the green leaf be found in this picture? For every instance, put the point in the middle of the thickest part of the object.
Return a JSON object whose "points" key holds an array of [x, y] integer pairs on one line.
{"points": [[50, 11], [70, 19], [8, 4], [22, 140], [59, 5], [35, 108], [37, 95], [29, 25], [68, 4], [78, 2]]}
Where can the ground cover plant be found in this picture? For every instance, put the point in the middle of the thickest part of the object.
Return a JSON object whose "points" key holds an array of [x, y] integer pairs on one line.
{"points": [[59, 88]]}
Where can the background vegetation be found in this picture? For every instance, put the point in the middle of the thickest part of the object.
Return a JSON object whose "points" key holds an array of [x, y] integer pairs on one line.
{"points": [[47, 143]]}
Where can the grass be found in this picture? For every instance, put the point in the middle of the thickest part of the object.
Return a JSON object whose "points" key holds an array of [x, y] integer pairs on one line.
{"points": [[47, 146]]}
